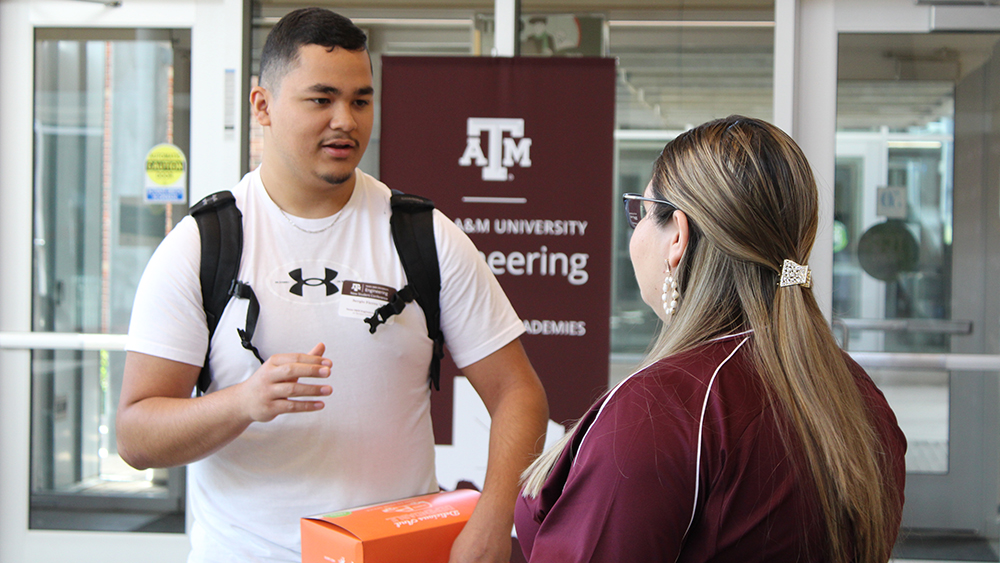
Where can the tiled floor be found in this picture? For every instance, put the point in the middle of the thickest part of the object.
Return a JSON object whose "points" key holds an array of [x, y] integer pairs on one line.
{"points": [[921, 407], [921, 545], [929, 560], [920, 401]]}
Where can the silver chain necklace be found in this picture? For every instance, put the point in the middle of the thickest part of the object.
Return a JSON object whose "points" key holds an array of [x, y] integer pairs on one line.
{"points": [[312, 232]]}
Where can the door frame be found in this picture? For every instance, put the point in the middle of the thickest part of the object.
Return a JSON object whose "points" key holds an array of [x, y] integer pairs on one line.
{"points": [[814, 127], [218, 31]]}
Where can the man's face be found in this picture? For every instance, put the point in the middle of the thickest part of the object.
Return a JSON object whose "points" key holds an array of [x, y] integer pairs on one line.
{"points": [[319, 120]]}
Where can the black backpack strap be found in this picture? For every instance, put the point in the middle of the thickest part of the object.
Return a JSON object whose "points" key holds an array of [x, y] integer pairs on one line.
{"points": [[413, 234], [220, 224], [243, 291]]}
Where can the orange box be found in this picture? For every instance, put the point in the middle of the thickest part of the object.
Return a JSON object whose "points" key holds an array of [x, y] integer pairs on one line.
{"points": [[420, 528]]}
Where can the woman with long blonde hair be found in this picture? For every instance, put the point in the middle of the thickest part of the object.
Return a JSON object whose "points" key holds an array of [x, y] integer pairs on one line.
{"points": [[747, 435]]}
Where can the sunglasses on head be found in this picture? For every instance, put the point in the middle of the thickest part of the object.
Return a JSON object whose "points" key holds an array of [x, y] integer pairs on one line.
{"points": [[635, 209]]}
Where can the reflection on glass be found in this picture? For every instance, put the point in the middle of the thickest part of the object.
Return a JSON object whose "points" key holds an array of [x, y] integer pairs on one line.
{"points": [[915, 259], [895, 216], [549, 35], [669, 79], [103, 99], [633, 324], [893, 207]]}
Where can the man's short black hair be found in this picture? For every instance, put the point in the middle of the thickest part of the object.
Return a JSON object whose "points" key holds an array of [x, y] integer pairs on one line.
{"points": [[305, 26]]}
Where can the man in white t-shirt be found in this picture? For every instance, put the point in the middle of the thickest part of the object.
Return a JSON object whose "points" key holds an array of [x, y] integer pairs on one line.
{"points": [[335, 416]]}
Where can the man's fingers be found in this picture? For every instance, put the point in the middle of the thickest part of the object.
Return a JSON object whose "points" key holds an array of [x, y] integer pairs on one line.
{"points": [[291, 406], [318, 350], [282, 399], [308, 359], [303, 390], [293, 371], [276, 387]]}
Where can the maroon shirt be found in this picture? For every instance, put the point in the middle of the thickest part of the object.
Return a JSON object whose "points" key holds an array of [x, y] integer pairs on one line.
{"points": [[684, 462]]}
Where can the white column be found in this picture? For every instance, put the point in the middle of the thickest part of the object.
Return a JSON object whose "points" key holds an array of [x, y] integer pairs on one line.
{"points": [[505, 15], [16, 66], [786, 45], [814, 127]]}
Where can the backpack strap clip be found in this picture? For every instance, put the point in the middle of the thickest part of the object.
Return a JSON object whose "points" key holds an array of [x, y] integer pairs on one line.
{"points": [[395, 306]]}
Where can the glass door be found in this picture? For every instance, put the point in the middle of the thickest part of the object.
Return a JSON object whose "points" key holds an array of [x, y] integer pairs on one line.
{"points": [[916, 227], [104, 99]]}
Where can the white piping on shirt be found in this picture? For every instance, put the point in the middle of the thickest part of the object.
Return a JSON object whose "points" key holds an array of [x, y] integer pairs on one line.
{"points": [[701, 429], [701, 422], [622, 382]]}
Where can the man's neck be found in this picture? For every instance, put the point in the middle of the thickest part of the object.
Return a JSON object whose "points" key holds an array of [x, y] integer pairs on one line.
{"points": [[309, 200]]}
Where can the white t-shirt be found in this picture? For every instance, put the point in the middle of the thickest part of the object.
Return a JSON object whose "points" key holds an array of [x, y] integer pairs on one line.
{"points": [[373, 440]]}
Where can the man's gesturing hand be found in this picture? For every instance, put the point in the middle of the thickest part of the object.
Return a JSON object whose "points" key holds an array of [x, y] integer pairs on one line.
{"points": [[272, 389]]}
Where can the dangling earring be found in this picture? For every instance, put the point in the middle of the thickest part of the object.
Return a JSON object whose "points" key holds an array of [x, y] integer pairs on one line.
{"points": [[670, 294]]}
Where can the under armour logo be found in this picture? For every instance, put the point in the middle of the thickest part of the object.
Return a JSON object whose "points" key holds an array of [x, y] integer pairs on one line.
{"points": [[312, 282]]}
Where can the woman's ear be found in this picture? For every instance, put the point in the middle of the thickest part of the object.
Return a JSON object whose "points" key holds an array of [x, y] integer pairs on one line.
{"points": [[259, 98], [677, 239]]}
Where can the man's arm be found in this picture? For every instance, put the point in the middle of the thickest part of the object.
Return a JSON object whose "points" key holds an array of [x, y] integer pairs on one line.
{"points": [[519, 413], [159, 424]]}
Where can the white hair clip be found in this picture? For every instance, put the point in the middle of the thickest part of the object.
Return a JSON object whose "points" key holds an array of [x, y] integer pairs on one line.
{"points": [[794, 274]]}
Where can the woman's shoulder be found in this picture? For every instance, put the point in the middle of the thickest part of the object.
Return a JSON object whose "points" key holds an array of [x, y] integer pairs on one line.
{"points": [[652, 422], [677, 388], [696, 368]]}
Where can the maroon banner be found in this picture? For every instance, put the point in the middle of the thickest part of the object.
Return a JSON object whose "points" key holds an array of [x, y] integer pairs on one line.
{"points": [[519, 153]]}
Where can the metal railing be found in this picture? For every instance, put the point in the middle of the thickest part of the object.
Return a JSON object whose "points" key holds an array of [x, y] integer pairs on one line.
{"points": [[61, 341], [935, 326], [949, 362]]}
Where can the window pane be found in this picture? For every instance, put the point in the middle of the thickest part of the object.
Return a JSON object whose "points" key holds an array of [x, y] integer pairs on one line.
{"points": [[104, 98], [673, 75], [893, 229]]}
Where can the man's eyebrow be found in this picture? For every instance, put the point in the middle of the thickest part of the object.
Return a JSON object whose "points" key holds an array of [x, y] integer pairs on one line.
{"points": [[334, 91]]}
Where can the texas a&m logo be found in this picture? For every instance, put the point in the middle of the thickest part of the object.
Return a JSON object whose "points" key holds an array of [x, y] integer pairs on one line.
{"points": [[501, 152]]}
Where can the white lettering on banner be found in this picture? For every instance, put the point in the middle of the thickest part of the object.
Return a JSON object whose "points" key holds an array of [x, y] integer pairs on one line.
{"points": [[473, 225], [541, 227], [543, 263], [502, 152], [555, 328]]}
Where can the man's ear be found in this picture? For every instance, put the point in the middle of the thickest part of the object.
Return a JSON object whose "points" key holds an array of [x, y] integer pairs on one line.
{"points": [[260, 99], [677, 242]]}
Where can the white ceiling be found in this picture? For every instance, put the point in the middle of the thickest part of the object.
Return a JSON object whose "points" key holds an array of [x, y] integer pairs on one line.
{"points": [[683, 63]]}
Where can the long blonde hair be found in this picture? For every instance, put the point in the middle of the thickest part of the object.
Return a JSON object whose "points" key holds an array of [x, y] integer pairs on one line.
{"points": [[751, 203]]}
